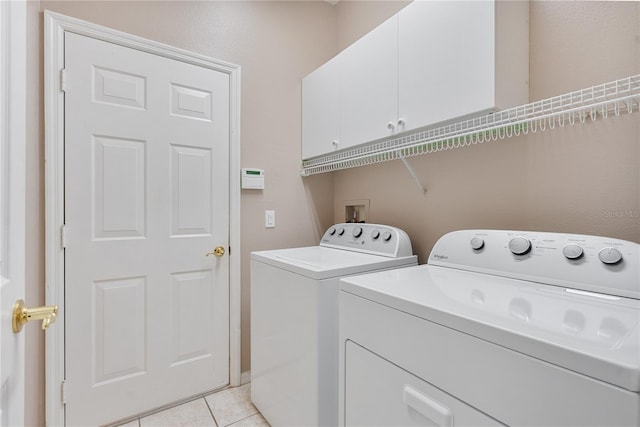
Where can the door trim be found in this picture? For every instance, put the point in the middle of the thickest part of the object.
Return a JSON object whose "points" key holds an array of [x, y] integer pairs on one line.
{"points": [[13, 141], [55, 27]]}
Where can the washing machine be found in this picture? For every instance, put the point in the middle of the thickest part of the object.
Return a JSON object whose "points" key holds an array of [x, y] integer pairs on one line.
{"points": [[294, 318], [498, 328]]}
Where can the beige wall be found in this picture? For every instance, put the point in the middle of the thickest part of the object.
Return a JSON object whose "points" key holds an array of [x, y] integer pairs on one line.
{"points": [[356, 18], [579, 179], [561, 180]]}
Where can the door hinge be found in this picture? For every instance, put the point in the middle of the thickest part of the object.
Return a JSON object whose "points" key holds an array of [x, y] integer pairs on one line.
{"points": [[63, 80], [64, 392], [64, 236]]}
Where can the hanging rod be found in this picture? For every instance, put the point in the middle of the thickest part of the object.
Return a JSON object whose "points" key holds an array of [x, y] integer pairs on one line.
{"points": [[580, 106]]}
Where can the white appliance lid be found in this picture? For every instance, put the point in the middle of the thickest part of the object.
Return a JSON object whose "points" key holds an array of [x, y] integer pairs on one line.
{"points": [[595, 335], [319, 262]]}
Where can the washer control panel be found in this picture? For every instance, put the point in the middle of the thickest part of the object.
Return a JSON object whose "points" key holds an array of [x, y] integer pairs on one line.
{"points": [[368, 238], [590, 263]]}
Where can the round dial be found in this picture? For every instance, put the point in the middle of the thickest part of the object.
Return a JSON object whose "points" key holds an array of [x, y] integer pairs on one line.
{"points": [[357, 232], [610, 255], [477, 243], [572, 251], [519, 245], [332, 231], [340, 231], [386, 236], [375, 234]]}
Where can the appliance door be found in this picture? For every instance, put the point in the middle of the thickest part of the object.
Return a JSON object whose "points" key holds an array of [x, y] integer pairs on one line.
{"points": [[392, 396]]}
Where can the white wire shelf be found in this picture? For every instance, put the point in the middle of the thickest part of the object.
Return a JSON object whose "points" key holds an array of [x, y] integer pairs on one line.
{"points": [[597, 102]]}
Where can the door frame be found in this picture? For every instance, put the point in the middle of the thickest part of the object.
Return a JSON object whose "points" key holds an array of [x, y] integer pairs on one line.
{"points": [[55, 26], [13, 122]]}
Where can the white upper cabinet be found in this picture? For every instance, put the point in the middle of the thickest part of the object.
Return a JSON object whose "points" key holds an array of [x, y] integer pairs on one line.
{"points": [[455, 60], [369, 86], [321, 110], [434, 61]]}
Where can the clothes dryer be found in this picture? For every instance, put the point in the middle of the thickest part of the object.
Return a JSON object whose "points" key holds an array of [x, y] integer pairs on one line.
{"points": [[499, 328], [294, 318]]}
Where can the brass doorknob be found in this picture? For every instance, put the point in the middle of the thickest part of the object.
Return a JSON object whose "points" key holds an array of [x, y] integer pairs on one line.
{"points": [[23, 314], [218, 251]]}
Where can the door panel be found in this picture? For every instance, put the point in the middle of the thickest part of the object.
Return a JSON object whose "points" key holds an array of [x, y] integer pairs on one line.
{"points": [[190, 191], [146, 197]]}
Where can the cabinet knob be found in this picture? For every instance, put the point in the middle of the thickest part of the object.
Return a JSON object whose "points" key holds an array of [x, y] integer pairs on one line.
{"points": [[335, 144], [391, 126], [401, 123]]}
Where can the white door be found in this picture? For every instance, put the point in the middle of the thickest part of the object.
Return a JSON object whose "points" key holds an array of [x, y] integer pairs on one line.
{"points": [[12, 208], [146, 198]]}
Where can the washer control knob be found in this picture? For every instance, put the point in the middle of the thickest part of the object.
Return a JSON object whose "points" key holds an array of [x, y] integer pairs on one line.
{"points": [[357, 232], [477, 243], [519, 245], [375, 234], [386, 236], [340, 231], [610, 255], [572, 251], [332, 231]]}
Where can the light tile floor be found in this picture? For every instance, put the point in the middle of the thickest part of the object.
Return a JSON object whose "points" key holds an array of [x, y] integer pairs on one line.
{"points": [[230, 407]]}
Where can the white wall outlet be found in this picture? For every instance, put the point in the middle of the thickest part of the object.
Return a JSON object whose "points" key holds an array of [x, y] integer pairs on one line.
{"points": [[269, 219]]}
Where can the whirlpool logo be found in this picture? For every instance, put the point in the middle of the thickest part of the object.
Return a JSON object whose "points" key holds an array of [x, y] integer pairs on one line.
{"points": [[439, 257]]}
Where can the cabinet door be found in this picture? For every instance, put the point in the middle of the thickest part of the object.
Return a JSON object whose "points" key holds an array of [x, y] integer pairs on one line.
{"points": [[369, 85], [379, 393], [321, 110], [446, 60]]}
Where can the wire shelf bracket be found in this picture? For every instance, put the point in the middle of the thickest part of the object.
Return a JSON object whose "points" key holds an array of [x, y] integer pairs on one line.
{"points": [[601, 101]]}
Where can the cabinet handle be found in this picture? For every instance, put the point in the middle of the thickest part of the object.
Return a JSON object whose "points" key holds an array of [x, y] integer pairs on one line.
{"points": [[426, 406], [391, 126]]}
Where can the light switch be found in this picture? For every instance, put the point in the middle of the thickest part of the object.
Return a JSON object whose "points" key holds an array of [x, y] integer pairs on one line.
{"points": [[269, 219]]}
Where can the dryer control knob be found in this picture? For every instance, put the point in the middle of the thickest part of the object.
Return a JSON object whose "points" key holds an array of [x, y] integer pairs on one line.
{"points": [[610, 255], [386, 236], [357, 232], [340, 231], [477, 243], [332, 231], [375, 234], [572, 251], [519, 245]]}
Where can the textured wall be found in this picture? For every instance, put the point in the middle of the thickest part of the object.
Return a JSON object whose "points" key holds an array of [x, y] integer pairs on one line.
{"points": [[581, 179]]}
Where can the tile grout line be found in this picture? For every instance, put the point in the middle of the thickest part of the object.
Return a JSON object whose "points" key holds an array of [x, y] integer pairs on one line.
{"points": [[211, 411], [241, 419]]}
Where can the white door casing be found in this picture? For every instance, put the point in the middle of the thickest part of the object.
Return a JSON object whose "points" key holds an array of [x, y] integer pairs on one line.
{"points": [[181, 260], [12, 208]]}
